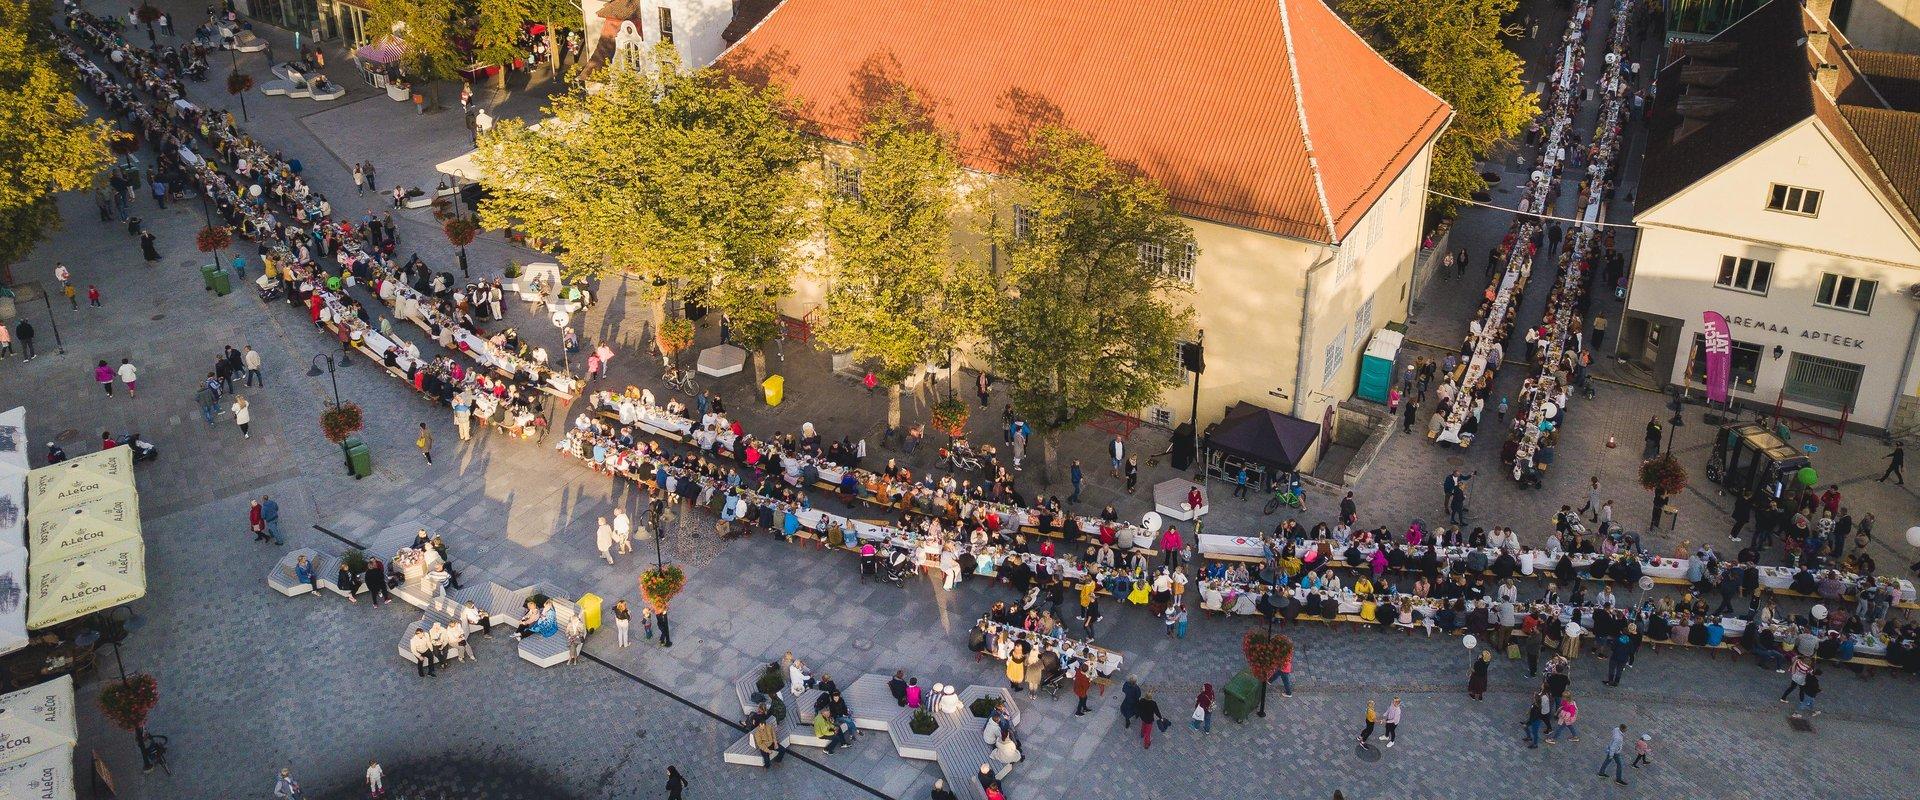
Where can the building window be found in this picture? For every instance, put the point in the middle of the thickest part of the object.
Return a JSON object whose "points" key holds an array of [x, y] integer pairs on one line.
{"points": [[1363, 322], [1344, 263], [1162, 416], [846, 180], [1745, 369], [1374, 228], [666, 25], [1794, 200], [1152, 256], [1179, 266], [1022, 222], [1336, 355], [1846, 293], [1822, 382], [1745, 274]]}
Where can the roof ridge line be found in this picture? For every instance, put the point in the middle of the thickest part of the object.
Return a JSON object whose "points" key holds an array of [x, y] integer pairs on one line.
{"points": [[1306, 133]]}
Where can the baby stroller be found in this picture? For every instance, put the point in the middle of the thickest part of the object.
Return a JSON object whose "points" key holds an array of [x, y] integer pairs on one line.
{"points": [[1053, 674], [269, 287], [899, 566]]}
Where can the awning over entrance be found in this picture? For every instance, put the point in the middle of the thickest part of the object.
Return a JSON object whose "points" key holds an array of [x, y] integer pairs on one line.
{"points": [[386, 51]]}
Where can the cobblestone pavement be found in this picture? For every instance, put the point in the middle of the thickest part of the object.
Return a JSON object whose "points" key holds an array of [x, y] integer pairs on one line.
{"points": [[251, 681]]}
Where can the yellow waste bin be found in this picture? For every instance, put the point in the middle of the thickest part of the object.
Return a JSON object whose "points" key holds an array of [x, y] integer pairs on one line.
{"points": [[590, 611], [775, 387]]}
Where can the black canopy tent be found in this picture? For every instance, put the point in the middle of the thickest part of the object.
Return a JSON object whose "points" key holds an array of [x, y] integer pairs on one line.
{"points": [[1268, 443]]}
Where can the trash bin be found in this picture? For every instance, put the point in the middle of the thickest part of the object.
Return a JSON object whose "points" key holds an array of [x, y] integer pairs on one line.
{"points": [[359, 458], [590, 611], [207, 271], [1242, 696], [775, 387], [221, 282]]}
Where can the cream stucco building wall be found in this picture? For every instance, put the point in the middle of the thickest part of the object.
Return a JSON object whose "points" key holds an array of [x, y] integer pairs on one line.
{"points": [[697, 26], [1855, 234], [1884, 25]]}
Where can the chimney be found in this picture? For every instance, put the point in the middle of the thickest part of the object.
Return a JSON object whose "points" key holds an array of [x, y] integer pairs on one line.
{"points": [[1817, 44], [1821, 10], [1829, 77]]}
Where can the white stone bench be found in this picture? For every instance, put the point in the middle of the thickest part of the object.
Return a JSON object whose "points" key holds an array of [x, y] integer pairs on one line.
{"points": [[246, 42], [548, 651], [421, 200], [299, 90], [276, 88], [332, 92]]}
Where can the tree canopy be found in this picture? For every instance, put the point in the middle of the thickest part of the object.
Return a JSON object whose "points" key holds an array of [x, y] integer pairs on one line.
{"points": [[897, 297], [47, 143], [1453, 47], [1092, 316], [433, 31], [498, 25]]}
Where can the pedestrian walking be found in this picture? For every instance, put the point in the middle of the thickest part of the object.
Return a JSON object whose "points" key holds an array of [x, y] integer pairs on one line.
{"points": [[1808, 691], [1567, 719], [1082, 683], [359, 180], [603, 540], [73, 297], [1148, 710], [1592, 507], [1643, 750], [61, 273], [1203, 710], [1366, 733], [103, 375], [129, 375], [676, 783], [270, 518], [148, 249], [1129, 700], [1537, 712], [1614, 748], [6, 341], [24, 332], [243, 416], [93, 296], [425, 442], [285, 787], [1284, 675], [1896, 461], [257, 523], [250, 360], [1133, 473], [209, 399], [622, 531]]}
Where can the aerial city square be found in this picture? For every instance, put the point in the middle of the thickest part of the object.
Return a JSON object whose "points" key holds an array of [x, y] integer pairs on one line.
{"points": [[941, 399]]}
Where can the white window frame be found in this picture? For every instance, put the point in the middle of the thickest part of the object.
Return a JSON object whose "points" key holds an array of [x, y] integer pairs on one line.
{"points": [[665, 17], [1363, 322], [1797, 200], [846, 180], [1336, 356], [1858, 292], [1730, 268]]}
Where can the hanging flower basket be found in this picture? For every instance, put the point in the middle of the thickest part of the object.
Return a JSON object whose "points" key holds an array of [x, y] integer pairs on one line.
{"points": [[659, 586], [147, 14], [239, 83], [676, 334], [1663, 475], [949, 416], [126, 705], [461, 231], [1265, 653], [340, 422], [213, 239]]}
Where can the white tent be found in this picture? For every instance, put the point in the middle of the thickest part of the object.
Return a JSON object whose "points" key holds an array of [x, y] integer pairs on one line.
{"points": [[13, 440], [13, 521], [78, 480], [37, 719], [42, 776], [65, 533], [64, 590]]}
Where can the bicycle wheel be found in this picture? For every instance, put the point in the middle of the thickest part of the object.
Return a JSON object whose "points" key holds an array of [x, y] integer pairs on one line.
{"points": [[1272, 503]]}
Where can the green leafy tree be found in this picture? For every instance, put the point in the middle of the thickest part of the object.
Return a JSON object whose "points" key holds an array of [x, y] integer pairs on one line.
{"points": [[688, 178], [1453, 47], [896, 295], [47, 143], [434, 32], [499, 23], [1089, 323]]}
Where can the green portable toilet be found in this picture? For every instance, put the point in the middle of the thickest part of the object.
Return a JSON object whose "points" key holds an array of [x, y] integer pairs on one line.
{"points": [[1376, 366]]}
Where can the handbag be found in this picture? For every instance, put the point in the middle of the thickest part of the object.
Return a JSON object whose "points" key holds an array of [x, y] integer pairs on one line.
{"points": [[1199, 714], [1164, 724]]}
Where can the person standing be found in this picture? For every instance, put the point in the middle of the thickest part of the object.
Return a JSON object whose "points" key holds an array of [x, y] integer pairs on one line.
{"points": [[1074, 473], [622, 531], [24, 332], [676, 783], [242, 416], [1116, 450], [1477, 681], [359, 180], [603, 540], [286, 788], [1366, 733], [425, 442], [129, 376], [1614, 748], [209, 400], [93, 296], [148, 249], [622, 621], [1148, 710], [1568, 720], [62, 274], [1082, 683], [104, 375], [250, 360], [1896, 460], [576, 638], [270, 518], [463, 416], [256, 523], [376, 780], [374, 574], [1537, 718], [1392, 720], [1129, 700], [1809, 691], [1133, 473], [73, 297], [1203, 710]]}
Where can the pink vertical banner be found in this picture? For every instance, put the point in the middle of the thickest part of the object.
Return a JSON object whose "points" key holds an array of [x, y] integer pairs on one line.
{"points": [[1719, 352]]}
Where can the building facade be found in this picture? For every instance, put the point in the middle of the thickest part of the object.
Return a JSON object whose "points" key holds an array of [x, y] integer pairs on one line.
{"points": [[699, 29], [1779, 190], [1298, 156]]}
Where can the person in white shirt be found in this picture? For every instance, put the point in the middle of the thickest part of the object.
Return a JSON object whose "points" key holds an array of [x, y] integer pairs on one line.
{"points": [[471, 616], [422, 648], [622, 530], [603, 540], [376, 779], [242, 413], [128, 375]]}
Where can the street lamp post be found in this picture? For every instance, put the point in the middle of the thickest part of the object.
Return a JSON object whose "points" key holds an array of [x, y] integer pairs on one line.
{"points": [[313, 371], [59, 347]]}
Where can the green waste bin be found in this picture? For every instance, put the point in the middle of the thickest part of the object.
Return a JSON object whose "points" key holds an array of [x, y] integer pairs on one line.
{"points": [[1242, 696], [359, 458], [207, 271], [775, 387], [221, 282], [590, 611]]}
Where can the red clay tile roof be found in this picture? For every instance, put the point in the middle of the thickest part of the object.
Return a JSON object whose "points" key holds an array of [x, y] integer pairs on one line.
{"points": [[1218, 100]]}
